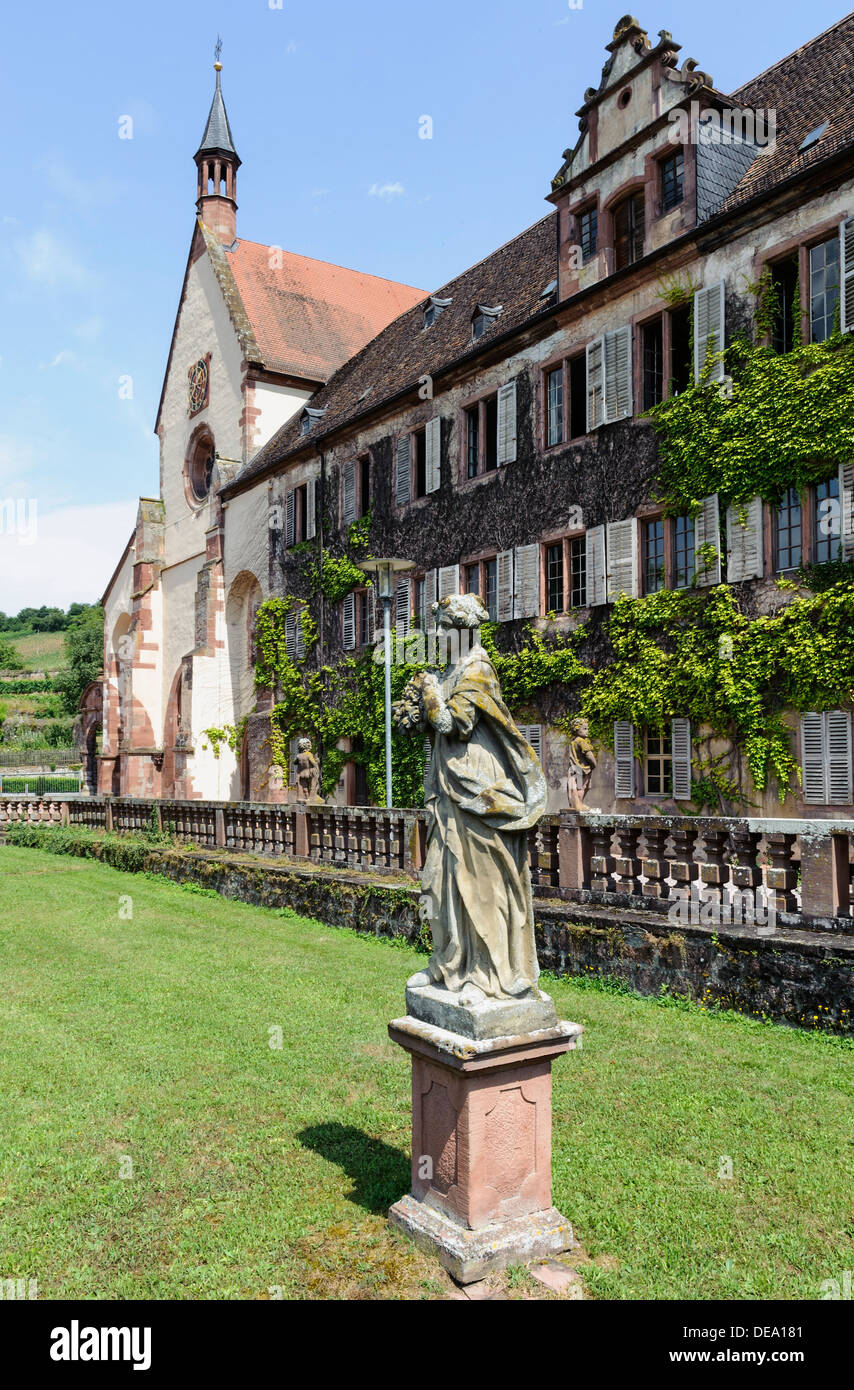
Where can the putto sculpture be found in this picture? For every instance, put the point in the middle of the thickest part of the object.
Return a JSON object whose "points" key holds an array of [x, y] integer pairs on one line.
{"points": [[306, 772]]}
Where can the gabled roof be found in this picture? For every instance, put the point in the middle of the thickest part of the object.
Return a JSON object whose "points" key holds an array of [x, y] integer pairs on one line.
{"points": [[514, 276], [811, 85]]}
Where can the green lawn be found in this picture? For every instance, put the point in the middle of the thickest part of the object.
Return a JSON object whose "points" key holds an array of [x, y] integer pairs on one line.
{"points": [[40, 651], [255, 1167]]}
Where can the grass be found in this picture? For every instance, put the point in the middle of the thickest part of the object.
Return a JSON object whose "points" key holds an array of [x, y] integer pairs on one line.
{"points": [[40, 651], [259, 1168]]}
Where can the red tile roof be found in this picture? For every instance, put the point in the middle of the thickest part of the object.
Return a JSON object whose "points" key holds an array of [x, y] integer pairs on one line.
{"points": [[308, 316]]}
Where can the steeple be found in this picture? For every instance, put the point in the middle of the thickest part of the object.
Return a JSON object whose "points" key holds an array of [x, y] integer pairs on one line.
{"points": [[217, 162]]}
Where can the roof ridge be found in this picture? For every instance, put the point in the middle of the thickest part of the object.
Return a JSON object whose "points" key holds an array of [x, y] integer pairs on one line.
{"points": [[316, 260], [794, 53]]}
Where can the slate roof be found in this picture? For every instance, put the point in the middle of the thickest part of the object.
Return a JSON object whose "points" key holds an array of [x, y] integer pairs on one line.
{"points": [[811, 85], [217, 137], [514, 276]]}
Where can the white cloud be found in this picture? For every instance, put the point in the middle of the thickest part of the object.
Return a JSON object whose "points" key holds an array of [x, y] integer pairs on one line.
{"points": [[74, 552], [47, 261], [385, 190], [63, 356]]}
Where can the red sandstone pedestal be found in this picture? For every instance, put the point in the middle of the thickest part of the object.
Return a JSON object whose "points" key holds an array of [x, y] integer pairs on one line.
{"points": [[482, 1147]]}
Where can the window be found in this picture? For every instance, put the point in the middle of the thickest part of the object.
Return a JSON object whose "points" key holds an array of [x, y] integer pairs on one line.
{"points": [[628, 231], [305, 423], [653, 556], [588, 229], [482, 319], [355, 489], [826, 757], [652, 349], [363, 484], [490, 423], [577, 368], [554, 578], [364, 614], [681, 365], [554, 406], [672, 171], [431, 313], [812, 138], [658, 762], [472, 416], [578, 572], [419, 440], [784, 282], [200, 466], [419, 603], [683, 551], [489, 589], [471, 578], [826, 544], [301, 513], [824, 289], [787, 532]]}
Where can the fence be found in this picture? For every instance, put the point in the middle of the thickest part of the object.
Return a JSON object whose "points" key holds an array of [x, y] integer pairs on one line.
{"points": [[35, 784], [801, 870], [39, 757]]}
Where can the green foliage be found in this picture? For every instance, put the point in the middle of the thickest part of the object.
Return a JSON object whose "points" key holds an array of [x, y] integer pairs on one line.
{"points": [[789, 422], [9, 658], [826, 576], [229, 734], [676, 292], [697, 655], [768, 304], [24, 687], [335, 575], [544, 659], [84, 656]]}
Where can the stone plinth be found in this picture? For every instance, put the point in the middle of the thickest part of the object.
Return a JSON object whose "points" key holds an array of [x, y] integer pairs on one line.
{"points": [[481, 1146]]}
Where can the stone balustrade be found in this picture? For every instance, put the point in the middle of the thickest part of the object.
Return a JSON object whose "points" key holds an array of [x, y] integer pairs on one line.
{"points": [[723, 869]]}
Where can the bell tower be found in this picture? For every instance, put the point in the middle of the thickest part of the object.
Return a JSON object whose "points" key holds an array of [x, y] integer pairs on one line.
{"points": [[217, 162]]}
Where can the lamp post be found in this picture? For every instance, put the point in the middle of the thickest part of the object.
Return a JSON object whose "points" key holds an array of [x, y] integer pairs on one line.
{"points": [[386, 572]]}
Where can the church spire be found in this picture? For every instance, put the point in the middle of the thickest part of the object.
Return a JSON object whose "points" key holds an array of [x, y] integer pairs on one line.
{"points": [[217, 162]]}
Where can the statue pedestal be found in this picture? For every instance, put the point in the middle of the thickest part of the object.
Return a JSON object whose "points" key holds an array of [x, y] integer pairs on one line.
{"points": [[481, 1147]]}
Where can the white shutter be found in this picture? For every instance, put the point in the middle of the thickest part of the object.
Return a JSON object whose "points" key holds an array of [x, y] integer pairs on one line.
{"points": [[526, 587], [430, 595], [707, 532], [299, 639], [403, 471], [744, 542], [371, 603], [290, 517], [348, 493], [290, 635], [534, 735], [507, 423], [402, 608], [618, 374], [595, 383], [428, 753], [349, 622], [504, 567], [846, 504], [622, 555], [311, 509], [594, 545], [680, 746], [449, 581], [838, 763], [709, 329], [812, 758], [624, 759], [433, 434], [846, 275]]}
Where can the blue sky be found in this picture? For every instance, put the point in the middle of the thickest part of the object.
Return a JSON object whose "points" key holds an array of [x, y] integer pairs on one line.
{"points": [[324, 102]]}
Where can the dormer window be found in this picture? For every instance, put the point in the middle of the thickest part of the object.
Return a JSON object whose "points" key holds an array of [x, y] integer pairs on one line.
{"points": [[813, 138], [483, 318], [309, 417], [672, 175], [628, 231], [433, 308]]}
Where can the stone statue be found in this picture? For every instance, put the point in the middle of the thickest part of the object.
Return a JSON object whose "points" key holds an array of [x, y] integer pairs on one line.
{"points": [[484, 790], [306, 772], [582, 761]]}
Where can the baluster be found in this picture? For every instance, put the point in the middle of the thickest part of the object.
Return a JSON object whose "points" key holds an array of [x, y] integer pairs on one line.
{"points": [[714, 873], [684, 868], [781, 875], [654, 865], [601, 859], [628, 862], [381, 842]]}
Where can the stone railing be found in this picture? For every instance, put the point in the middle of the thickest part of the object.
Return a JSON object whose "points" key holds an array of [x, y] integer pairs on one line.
{"points": [[729, 869]]}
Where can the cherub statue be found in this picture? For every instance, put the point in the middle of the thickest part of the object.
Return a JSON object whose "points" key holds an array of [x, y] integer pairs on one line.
{"points": [[582, 761], [306, 772]]}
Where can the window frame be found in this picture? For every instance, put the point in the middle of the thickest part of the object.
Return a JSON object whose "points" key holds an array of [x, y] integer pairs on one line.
{"points": [[672, 156], [565, 540], [663, 756], [479, 403]]}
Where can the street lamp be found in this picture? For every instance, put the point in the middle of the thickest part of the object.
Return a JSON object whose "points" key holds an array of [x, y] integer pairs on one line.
{"points": [[386, 572]]}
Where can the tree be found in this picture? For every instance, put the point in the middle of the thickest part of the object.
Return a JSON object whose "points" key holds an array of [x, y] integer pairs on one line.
{"points": [[9, 659], [84, 655]]}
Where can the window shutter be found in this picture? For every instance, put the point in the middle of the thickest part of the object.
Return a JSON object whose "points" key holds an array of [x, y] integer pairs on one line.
{"points": [[846, 275], [402, 471], [430, 592], [526, 589], [507, 423], [838, 763], [290, 635], [505, 585], [449, 581], [680, 745], [290, 517], [594, 545], [846, 503], [534, 735], [402, 607], [349, 622], [744, 542], [624, 759], [311, 509], [622, 555], [707, 532], [433, 433], [428, 753], [348, 489], [709, 329], [618, 374], [371, 609], [595, 384], [299, 639], [812, 758]]}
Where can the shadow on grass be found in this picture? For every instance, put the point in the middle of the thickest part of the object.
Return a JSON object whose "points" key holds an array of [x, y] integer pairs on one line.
{"points": [[380, 1173]]}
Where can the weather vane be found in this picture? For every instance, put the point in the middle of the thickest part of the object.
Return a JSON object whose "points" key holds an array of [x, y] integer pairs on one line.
{"points": [[217, 49]]}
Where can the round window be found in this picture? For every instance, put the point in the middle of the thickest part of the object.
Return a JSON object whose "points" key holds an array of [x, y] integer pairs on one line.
{"points": [[624, 98], [200, 466]]}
